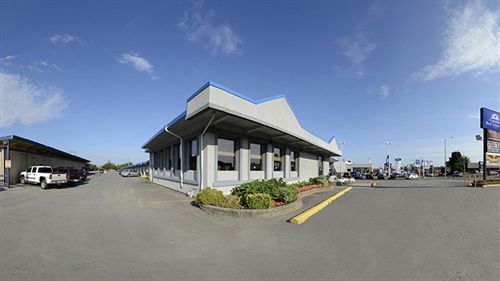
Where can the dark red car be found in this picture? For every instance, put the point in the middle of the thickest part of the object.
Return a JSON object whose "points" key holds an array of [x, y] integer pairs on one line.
{"points": [[73, 175]]}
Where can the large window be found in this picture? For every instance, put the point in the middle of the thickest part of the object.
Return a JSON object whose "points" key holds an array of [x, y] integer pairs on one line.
{"points": [[168, 161], [256, 156], [294, 156], [155, 163], [278, 158], [161, 160], [226, 155], [177, 150], [192, 153]]}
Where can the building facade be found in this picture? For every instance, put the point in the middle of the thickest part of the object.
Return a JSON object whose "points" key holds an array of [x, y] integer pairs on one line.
{"points": [[224, 139], [17, 154]]}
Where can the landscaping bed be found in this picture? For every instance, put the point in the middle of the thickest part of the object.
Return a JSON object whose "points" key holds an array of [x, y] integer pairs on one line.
{"points": [[274, 211], [259, 198]]}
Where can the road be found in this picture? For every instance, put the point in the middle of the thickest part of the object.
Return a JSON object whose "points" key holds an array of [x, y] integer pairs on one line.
{"points": [[115, 228]]}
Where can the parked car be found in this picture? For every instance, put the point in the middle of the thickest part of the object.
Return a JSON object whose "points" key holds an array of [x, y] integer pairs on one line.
{"points": [[397, 176], [493, 173], [44, 176], [72, 174], [382, 176], [359, 176], [457, 174], [369, 176], [411, 176], [347, 175], [83, 174], [129, 173]]}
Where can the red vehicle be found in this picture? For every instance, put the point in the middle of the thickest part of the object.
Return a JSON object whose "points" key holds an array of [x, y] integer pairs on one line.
{"points": [[73, 175]]}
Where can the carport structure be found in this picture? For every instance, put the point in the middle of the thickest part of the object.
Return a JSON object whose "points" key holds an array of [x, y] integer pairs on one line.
{"points": [[224, 139], [17, 154]]}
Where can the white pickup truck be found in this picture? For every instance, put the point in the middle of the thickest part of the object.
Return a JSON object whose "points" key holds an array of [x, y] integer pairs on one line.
{"points": [[43, 175]]}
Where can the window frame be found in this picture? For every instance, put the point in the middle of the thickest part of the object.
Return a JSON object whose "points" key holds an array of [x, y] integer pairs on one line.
{"points": [[281, 159], [262, 156], [234, 157], [294, 160], [192, 155]]}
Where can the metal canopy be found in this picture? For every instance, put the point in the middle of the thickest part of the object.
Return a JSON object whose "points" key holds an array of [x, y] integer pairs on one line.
{"points": [[26, 145]]}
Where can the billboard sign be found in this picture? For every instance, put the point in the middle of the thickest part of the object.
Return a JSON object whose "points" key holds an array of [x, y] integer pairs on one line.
{"points": [[490, 119]]}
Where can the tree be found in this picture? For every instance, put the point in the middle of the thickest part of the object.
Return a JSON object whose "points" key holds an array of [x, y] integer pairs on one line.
{"points": [[458, 162], [91, 167], [127, 164], [109, 166]]}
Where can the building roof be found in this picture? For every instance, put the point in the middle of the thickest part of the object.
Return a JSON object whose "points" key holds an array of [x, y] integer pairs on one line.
{"points": [[270, 114], [22, 144]]}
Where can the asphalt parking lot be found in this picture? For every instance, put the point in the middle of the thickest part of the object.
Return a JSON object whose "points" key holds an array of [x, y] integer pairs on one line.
{"points": [[114, 228]]}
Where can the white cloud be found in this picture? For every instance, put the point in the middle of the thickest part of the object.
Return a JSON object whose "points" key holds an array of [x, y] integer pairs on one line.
{"points": [[471, 44], [137, 62], [198, 26], [64, 39], [23, 101], [7, 58], [14, 64], [384, 91], [357, 48]]}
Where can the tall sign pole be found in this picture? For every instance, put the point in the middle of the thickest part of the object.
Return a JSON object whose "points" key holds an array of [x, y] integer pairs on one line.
{"points": [[485, 150]]}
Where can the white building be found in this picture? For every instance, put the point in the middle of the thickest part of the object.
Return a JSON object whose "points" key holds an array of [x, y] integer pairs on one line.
{"points": [[224, 139]]}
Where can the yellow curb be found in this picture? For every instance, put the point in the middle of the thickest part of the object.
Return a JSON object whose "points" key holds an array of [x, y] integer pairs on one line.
{"points": [[302, 217], [491, 185]]}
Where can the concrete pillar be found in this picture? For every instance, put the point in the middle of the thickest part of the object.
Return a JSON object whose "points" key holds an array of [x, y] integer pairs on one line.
{"points": [[244, 168], [209, 159], [286, 172], [269, 161], [326, 167]]}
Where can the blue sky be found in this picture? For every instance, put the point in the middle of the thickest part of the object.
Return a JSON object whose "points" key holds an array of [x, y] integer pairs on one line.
{"points": [[100, 78]]}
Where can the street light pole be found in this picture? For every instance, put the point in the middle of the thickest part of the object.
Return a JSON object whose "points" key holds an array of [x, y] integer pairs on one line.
{"points": [[389, 143], [445, 158]]}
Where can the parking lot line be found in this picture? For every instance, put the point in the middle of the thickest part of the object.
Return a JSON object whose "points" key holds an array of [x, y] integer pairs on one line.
{"points": [[302, 217]]}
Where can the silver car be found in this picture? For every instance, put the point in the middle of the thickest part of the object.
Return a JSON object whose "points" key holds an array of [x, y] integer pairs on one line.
{"points": [[129, 173]]}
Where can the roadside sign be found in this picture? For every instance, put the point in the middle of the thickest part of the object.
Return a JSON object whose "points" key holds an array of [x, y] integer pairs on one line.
{"points": [[490, 123], [490, 119], [8, 164]]}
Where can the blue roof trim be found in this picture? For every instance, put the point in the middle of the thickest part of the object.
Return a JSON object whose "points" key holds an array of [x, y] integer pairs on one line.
{"points": [[234, 93], [332, 138], [176, 119], [154, 136]]}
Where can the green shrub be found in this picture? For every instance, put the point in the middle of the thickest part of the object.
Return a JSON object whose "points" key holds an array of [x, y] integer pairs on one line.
{"points": [[319, 180], [287, 194], [270, 187], [257, 201], [210, 196], [232, 201]]}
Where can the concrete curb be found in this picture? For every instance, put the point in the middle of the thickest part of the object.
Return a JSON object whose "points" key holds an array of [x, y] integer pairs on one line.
{"points": [[265, 213]]}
